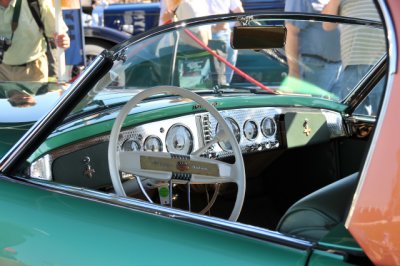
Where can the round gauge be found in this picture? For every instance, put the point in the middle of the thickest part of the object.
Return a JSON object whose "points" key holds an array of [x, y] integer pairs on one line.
{"points": [[268, 127], [130, 145], [250, 130], [179, 140], [234, 127], [152, 143]]}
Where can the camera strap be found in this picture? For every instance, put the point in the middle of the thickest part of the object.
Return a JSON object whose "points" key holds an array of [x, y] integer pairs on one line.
{"points": [[35, 11], [15, 18]]}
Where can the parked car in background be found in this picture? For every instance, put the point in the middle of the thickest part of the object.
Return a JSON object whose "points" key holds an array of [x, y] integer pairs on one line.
{"points": [[133, 18], [150, 156], [99, 38]]}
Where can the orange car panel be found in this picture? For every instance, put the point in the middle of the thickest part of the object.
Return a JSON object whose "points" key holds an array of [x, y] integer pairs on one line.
{"points": [[374, 219]]}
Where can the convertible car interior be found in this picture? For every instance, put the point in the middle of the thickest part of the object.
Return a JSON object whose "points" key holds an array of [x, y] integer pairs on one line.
{"points": [[159, 121]]}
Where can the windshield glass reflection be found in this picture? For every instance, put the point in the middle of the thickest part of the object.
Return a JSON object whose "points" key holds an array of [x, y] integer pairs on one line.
{"points": [[184, 58], [27, 101]]}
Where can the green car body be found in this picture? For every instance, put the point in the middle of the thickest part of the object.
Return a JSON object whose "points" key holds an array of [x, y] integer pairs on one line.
{"points": [[83, 221], [137, 236]]}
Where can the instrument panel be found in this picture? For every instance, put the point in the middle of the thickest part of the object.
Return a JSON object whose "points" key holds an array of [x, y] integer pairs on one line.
{"points": [[255, 129]]}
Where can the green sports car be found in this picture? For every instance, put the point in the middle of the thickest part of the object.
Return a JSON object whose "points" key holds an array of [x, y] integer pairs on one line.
{"points": [[155, 155]]}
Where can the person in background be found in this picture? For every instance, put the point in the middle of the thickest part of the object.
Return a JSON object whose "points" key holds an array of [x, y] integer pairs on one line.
{"points": [[98, 12], [316, 62], [185, 9], [360, 47], [163, 10], [23, 58], [167, 10], [181, 9], [222, 31]]}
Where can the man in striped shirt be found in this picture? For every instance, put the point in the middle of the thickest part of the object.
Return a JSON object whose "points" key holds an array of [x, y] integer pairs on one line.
{"points": [[361, 47], [313, 54]]}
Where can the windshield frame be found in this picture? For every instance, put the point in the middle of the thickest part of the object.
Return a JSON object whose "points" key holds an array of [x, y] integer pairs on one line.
{"points": [[104, 62]]}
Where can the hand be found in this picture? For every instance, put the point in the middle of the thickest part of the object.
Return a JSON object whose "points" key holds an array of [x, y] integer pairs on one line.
{"points": [[166, 17], [62, 40]]}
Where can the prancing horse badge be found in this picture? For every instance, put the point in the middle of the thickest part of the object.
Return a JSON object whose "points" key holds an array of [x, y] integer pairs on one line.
{"points": [[306, 127]]}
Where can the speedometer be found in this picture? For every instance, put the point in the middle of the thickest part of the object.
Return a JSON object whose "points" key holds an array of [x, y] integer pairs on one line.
{"points": [[179, 140]]}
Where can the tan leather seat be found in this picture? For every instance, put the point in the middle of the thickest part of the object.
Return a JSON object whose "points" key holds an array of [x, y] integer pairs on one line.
{"points": [[315, 215]]}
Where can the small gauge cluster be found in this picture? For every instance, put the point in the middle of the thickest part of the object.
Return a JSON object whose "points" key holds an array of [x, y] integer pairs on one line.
{"points": [[255, 129], [175, 135], [178, 139]]}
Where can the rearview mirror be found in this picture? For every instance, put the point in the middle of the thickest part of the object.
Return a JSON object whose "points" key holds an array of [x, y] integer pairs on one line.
{"points": [[258, 37]]}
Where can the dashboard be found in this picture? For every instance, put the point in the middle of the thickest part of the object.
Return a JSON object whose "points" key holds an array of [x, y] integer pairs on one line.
{"points": [[258, 129]]}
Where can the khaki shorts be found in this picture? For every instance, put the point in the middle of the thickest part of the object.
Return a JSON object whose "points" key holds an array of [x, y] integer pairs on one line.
{"points": [[36, 70]]}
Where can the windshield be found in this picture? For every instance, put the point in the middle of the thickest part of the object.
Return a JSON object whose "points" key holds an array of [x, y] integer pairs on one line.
{"points": [[198, 59]]}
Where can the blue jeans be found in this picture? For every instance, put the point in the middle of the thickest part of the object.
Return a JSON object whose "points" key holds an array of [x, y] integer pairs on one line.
{"points": [[349, 77], [225, 35], [319, 72]]}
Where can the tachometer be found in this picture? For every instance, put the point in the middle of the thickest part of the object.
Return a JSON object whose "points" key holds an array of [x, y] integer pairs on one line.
{"points": [[131, 145], [179, 140], [152, 143], [250, 130], [268, 127], [225, 145]]}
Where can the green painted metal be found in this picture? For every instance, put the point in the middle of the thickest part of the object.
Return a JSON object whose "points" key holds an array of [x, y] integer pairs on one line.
{"points": [[339, 238], [82, 129], [323, 258], [300, 133], [40, 227], [10, 133]]}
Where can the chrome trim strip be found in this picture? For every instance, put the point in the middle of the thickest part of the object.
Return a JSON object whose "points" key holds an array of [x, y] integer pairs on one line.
{"points": [[29, 136], [158, 210], [78, 146], [363, 88], [391, 35], [393, 57]]}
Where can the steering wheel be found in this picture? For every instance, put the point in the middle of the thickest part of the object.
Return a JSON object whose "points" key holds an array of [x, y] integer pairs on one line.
{"points": [[166, 167]]}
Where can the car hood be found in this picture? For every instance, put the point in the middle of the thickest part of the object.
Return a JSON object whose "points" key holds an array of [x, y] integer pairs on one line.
{"points": [[27, 114], [16, 119], [41, 98]]}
